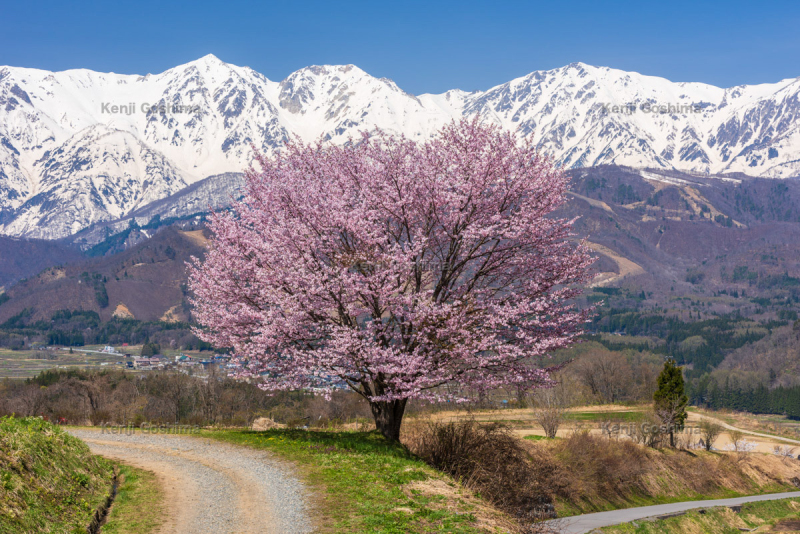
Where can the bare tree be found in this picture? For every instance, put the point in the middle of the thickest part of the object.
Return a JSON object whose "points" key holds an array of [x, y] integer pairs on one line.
{"points": [[208, 395], [549, 413], [709, 432], [736, 437], [784, 451], [739, 444], [29, 401], [521, 392], [650, 431], [607, 374], [671, 413]]}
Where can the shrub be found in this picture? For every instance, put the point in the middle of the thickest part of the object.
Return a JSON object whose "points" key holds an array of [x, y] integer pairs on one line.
{"points": [[597, 466], [490, 460], [549, 418]]}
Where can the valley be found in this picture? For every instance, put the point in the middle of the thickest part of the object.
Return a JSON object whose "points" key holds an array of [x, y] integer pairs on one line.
{"points": [[578, 291], [699, 268]]}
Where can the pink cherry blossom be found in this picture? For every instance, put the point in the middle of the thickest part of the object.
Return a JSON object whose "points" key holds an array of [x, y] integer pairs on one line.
{"points": [[396, 268]]}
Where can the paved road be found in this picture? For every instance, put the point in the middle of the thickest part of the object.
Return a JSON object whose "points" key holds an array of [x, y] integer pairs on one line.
{"points": [[588, 522], [211, 487]]}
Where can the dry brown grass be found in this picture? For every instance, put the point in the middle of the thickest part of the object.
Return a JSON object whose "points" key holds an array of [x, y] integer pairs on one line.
{"points": [[196, 236], [586, 472], [488, 459], [593, 473], [458, 499]]}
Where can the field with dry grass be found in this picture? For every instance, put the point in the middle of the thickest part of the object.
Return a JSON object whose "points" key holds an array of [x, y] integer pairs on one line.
{"points": [[594, 419], [588, 469]]}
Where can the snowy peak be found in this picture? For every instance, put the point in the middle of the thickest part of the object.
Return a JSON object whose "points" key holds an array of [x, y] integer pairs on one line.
{"points": [[335, 102], [79, 147]]}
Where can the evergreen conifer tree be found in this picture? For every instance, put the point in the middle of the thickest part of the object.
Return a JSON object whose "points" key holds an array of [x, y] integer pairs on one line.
{"points": [[670, 400]]}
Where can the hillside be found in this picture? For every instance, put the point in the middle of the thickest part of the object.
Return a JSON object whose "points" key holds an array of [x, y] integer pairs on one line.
{"points": [[23, 258], [146, 282], [690, 231], [692, 266], [50, 480]]}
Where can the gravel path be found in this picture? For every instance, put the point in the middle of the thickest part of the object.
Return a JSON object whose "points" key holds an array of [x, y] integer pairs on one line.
{"points": [[211, 487]]}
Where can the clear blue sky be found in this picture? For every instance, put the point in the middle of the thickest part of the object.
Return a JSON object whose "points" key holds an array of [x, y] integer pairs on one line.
{"points": [[425, 46]]}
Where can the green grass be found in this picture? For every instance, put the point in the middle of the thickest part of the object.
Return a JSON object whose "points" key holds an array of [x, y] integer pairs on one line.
{"points": [[534, 437], [597, 417], [362, 483], [138, 507], [717, 520], [49, 481]]}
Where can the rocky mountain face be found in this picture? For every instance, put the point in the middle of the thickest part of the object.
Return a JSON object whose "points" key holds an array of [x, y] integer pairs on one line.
{"points": [[189, 204], [82, 149]]}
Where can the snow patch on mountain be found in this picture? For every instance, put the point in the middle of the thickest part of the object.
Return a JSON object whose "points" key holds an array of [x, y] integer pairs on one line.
{"points": [[79, 147]]}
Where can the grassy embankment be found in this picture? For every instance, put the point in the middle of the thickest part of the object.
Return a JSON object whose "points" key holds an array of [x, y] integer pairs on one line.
{"points": [[49, 481], [361, 483], [771, 516], [588, 473], [594, 473], [139, 505]]}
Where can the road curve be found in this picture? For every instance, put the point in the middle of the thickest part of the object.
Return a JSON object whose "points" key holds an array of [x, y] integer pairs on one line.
{"points": [[726, 426], [211, 487], [588, 522]]}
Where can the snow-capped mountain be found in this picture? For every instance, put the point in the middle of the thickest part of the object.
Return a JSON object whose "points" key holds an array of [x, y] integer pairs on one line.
{"points": [[79, 147]]}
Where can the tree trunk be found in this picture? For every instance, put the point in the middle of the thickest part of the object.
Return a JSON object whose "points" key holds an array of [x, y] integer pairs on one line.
{"points": [[388, 417]]}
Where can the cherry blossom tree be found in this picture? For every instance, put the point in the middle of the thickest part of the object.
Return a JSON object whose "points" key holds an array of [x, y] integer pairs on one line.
{"points": [[395, 268]]}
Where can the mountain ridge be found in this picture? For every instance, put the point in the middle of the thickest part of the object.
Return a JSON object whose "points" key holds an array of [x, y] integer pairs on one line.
{"points": [[67, 161]]}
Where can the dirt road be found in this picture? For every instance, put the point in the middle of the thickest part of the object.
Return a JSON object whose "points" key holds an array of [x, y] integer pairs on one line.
{"points": [[764, 442], [211, 487]]}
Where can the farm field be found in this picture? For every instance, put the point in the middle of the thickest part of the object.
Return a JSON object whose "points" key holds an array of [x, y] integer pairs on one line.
{"points": [[29, 363], [771, 430], [21, 364]]}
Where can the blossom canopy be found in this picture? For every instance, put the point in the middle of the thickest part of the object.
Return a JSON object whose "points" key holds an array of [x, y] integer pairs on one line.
{"points": [[399, 268]]}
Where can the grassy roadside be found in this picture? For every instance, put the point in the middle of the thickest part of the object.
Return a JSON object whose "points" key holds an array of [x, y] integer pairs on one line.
{"points": [[139, 507], [570, 509], [364, 484], [779, 516], [588, 473], [49, 481], [669, 485]]}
